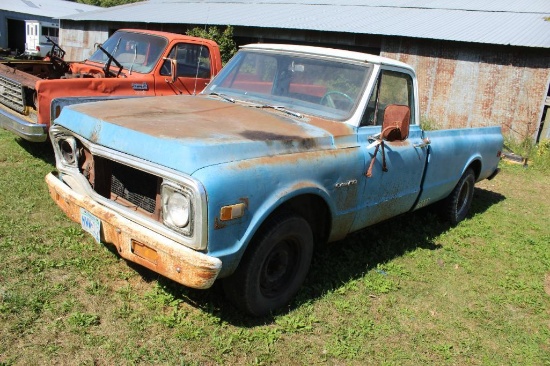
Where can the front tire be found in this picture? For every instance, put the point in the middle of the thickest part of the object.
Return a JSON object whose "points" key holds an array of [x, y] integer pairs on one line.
{"points": [[274, 267], [457, 205]]}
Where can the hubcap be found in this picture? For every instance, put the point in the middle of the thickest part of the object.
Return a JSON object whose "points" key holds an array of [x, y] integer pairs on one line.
{"points": [[279, 268]]}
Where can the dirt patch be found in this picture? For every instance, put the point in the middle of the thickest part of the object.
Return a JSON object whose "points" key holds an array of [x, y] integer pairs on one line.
{"points": [[547, 283]]}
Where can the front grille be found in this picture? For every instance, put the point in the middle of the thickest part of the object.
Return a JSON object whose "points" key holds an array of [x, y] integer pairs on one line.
{"points": [[123, 184], [12, 94], [135, 186]]}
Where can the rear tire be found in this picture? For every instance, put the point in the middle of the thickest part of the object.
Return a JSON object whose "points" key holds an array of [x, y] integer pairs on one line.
{"points": [[456, 206], [274, 266]]}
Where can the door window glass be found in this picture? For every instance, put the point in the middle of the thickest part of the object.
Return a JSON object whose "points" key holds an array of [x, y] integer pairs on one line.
{"points": [[192, 61], [391, 88]]}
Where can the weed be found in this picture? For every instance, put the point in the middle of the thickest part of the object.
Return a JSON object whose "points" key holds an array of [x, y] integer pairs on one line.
{"points": [[541, 159], [296, 323], [428, 124], [83, 320], [538, 155]]}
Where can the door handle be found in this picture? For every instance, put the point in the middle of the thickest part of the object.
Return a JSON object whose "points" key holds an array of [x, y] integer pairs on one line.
{"points": [[425, 142]]}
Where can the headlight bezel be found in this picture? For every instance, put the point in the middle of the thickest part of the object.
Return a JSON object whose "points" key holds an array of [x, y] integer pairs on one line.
{"points": [[68, 153], [170, 193]]}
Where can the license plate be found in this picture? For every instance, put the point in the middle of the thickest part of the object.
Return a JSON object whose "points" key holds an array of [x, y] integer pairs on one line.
{"points": [[91, 224]]}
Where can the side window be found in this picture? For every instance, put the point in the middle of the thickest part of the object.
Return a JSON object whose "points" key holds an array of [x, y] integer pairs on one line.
{"points": [[391, 88], [192, 60]]}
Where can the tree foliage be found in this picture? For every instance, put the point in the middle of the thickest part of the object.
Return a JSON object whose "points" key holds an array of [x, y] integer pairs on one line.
{"points": [[223, 38]]}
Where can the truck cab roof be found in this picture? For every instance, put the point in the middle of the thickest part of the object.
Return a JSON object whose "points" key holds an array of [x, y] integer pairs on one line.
{"points": [[329, 52]]}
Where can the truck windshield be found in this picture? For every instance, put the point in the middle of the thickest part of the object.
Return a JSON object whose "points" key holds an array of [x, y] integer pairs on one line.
{"points": [[135, 51], [305, 84]]}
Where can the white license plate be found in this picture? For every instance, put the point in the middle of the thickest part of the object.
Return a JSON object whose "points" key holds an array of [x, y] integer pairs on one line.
{"points": [[91, 224]]}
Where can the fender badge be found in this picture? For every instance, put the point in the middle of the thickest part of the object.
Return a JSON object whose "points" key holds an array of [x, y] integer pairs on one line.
{"points": [[140, 86], [350, 182]]}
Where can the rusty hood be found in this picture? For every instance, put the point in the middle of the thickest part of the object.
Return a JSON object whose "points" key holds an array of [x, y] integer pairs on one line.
{"points": [[187, 133]]}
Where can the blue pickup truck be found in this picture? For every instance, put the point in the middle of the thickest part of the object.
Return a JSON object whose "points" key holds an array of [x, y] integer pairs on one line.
{"points": [[287, 148]]}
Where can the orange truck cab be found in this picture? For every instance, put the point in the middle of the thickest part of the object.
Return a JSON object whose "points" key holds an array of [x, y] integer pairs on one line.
{"points": [[130, 63]]}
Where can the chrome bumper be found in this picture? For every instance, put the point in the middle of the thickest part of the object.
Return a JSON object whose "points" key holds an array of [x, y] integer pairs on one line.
{"points": [[139, 244], [27, 130]]}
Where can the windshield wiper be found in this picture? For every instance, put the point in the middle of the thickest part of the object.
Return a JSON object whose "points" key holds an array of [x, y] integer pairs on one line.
{"points": [[224, 97], [108, 64], [280, 109], [133, 61]]}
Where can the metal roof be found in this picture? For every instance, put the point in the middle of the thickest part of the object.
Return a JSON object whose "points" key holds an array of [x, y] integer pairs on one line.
{"points": [[502, 22], [45, 8]]}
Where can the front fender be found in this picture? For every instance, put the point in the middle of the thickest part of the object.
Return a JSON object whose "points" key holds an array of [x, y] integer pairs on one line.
{"points": [[51, 89], [231, 256], [264, 185]]}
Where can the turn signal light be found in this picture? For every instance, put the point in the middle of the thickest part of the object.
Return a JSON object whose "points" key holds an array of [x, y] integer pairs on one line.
{"points": [[232, 212]]}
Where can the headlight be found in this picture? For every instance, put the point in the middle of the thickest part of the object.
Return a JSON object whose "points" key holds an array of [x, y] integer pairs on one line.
{"points": [[176, 208], [68, 150]]}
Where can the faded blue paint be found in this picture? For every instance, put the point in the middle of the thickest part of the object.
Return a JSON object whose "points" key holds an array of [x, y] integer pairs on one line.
{"points": [[265, 158], [267, 171], [453, 151], [184, 144]]}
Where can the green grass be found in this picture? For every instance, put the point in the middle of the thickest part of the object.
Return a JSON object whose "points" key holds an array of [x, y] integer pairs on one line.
{"points": [[409, 291]]}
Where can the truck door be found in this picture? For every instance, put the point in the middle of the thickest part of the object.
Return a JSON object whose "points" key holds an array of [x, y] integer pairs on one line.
{"points": [[395, 172], [193, 70]]}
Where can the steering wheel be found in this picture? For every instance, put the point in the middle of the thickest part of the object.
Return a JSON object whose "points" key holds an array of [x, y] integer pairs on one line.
{"points": [[329, 100]]}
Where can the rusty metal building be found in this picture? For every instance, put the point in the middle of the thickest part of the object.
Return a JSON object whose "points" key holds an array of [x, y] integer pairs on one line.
{"points": [[478, 63], [13, 14]]}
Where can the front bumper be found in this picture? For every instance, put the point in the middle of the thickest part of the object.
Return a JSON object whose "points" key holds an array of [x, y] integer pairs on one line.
{"points": [[29, 131], [137, 243]]}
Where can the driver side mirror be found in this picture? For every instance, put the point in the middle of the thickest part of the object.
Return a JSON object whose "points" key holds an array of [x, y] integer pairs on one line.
{"points": [[396, 122], [173, 68]]}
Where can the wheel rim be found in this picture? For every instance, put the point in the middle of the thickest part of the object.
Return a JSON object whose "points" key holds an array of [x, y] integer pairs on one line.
{"points": [[279, 268]]}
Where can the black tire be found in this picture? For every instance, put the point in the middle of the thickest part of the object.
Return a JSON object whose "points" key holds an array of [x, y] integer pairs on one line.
{"points": [[274, 266], [456, 206]]}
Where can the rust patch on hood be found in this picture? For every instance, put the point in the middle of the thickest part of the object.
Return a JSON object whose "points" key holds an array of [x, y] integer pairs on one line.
{"points": [[194, 117], [198, 117]]}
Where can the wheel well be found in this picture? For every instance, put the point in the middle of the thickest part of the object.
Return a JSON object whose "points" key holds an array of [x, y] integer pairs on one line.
{"points": [[476, 166], [315, 210]]}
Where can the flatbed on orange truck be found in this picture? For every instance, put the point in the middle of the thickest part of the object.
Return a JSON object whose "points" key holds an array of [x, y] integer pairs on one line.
{"points": [[130, 63]]}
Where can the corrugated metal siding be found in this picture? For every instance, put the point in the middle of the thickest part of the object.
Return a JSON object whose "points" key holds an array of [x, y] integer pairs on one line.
{"points": [[493, 22], [470, 86], [46, 8], [80, 44]]}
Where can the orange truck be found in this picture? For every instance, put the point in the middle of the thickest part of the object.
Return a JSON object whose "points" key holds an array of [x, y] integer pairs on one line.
{"points": [[130, 63]]}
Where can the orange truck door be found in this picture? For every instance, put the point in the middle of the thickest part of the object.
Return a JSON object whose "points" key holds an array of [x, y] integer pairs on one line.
{"points": [[193, 70]]}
